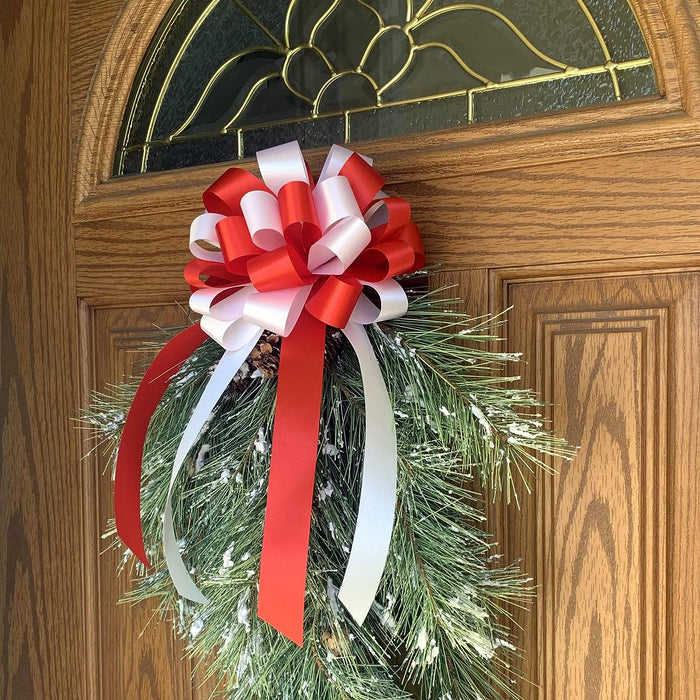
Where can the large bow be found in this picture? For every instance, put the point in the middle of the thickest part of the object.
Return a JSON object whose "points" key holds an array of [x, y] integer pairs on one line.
{"points": [[272, 248], [284, 255]]}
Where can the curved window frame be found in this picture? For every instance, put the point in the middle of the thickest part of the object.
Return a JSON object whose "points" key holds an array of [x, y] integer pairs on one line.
{"points": [[144, 152]]}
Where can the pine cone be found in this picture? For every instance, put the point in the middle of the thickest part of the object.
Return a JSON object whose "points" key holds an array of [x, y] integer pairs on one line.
{"points": [[333, 644], [265, 356]]}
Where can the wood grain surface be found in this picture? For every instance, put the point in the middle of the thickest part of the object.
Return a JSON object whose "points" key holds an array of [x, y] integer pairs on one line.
{"points": [[599, 209], [607, 537], [42, 643], [588, 221]]}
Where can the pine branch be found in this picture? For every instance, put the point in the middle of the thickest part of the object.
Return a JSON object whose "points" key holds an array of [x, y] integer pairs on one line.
{"points": [[432, 633]]}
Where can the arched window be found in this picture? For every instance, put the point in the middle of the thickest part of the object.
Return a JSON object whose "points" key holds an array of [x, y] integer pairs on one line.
{"points": [[224, 78]]}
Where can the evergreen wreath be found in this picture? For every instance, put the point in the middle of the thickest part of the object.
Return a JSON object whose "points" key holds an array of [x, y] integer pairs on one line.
{"points": [[332, 478], [437, 628]]}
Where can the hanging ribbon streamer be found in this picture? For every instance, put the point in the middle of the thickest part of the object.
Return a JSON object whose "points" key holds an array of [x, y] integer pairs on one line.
{"points": [[291, 257], [127, 479]]}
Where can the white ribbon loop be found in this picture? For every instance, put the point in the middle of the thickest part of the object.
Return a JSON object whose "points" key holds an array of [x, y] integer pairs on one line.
{"points": [[393, 303], [261, 212], [282, 164], [223, 320], [337, 249], [203, 302], [203, 233], [334, 200], [229, 334], [278, 311]]}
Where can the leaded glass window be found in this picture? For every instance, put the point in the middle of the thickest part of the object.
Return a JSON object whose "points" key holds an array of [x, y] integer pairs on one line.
{"points": [[223, 78]]}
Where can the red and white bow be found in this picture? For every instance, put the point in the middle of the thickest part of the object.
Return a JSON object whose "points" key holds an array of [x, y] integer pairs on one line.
{"points": [[274, 247]]}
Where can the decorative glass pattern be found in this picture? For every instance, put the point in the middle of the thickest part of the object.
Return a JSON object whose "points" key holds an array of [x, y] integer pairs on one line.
{"points": [[224, 78]]}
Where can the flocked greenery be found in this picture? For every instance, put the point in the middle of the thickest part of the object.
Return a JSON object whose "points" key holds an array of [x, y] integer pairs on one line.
{"points": [[434, 631]]}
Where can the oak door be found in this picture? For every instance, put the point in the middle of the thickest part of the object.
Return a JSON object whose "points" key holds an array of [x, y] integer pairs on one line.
{"points": [[586, 222]]}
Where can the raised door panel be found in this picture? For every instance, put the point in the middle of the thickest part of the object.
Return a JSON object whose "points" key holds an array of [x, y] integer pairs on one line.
{"points": [[138, 655], [610, 538]]}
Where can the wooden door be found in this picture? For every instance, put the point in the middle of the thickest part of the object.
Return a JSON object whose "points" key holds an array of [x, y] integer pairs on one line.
{"points": [[586, 222]]}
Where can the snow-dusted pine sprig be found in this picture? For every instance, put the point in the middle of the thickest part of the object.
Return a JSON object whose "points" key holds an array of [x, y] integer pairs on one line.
{"points": [[434, 631]]}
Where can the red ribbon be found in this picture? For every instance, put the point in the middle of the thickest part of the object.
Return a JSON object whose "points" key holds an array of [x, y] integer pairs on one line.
{"points": [[395, 248], [292, 471], [127, 477]]}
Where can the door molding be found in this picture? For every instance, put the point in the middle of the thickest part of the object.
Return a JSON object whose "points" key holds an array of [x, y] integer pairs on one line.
{"points": [[671, 28]]}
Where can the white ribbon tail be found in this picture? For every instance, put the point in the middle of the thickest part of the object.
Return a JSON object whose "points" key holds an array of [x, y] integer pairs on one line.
{"points": [[226, 369], [375, 518]]}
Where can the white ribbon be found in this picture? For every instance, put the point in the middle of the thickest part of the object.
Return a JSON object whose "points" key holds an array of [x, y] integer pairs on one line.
{"points": [[237, 321], [224, 372], [375, 517]]}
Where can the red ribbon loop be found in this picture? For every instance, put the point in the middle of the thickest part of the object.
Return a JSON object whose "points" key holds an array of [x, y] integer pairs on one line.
{"points": [[236, 244], [410, 235], [216, 273], [333, 299], [281, 268], [365, 181], [298, 214], [395, 212], [224, 196], [383, 260]]}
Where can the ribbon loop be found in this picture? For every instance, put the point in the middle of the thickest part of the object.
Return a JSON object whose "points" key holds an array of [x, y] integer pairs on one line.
{"points": [[224, 196], [387, 216], [339, 247], [204, 241], [282, 164], [262, 214], [393, 303], [333, 300], [236, 243], [334, 200], [411, 237], [336, 159], [299, 219], [365, 181], [279, 269], [216, 275], [277, 311], [222, 318]]}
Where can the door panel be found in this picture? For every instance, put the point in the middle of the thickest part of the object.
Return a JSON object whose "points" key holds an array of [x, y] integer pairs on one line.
{"points": [[139, 655], [616, 359]]}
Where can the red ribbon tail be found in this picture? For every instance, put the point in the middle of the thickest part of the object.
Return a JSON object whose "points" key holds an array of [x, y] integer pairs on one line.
{"points": [[127, 478], [292, 470]]}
